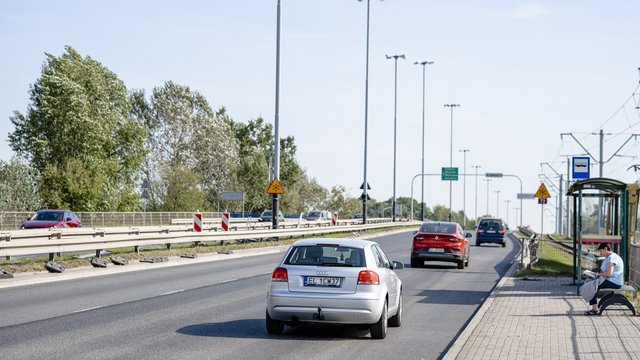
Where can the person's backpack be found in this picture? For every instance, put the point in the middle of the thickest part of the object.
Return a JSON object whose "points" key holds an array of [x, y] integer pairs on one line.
{"points": [[590, 287]]}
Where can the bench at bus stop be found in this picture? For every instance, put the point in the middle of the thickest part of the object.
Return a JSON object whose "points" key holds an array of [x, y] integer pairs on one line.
{"points": [[609, 297]]}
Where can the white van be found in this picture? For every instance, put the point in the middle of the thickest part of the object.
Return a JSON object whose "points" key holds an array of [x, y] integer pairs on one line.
{"points": [[315, 215]]}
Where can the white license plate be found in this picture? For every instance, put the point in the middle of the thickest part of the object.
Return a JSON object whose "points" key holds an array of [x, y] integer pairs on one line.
{"points": [[322, 281], [437, 250], [491, 231]]}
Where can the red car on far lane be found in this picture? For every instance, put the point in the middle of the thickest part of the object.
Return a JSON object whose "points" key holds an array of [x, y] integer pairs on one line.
{"points": [[45, 219], [440, 241]]}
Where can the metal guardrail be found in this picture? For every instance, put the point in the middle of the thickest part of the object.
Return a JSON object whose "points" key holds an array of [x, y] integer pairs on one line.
{"points": [[28, 242]]}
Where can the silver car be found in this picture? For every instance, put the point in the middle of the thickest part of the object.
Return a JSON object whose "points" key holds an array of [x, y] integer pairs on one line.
{"points": [[338, 281]]}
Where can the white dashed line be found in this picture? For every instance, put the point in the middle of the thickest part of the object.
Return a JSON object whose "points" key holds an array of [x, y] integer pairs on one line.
{"points": [[172, 292], [89, 309]]}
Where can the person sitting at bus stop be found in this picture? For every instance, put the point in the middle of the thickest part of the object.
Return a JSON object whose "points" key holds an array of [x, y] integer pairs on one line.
{"points": [[612, 270]]}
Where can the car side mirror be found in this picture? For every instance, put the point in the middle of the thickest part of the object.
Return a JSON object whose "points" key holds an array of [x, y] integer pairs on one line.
{"points": [[468, 235], [415, 232], [397, 265], [68, 220]]}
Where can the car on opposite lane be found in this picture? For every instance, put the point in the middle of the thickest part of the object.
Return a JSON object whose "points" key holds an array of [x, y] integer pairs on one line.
{"points": [[45, 219], [268, 214], [491, 231], [440, 241], [335, 281]]}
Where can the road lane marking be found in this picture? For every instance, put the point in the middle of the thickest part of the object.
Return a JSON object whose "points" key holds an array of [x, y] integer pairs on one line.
{"points": [[172, 292], [89, 309]]}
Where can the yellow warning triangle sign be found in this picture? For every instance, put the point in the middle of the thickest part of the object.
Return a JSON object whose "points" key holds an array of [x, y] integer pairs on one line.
{"points": [[542, 192], [275, 187]]}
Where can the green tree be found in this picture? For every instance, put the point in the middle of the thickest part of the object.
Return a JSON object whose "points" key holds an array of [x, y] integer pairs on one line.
{"points": [[183, 191], [184, 132], [78, 124], [18, 186]]}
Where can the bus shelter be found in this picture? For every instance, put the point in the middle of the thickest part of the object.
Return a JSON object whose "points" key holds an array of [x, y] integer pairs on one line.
{"points": [[599, 215]]}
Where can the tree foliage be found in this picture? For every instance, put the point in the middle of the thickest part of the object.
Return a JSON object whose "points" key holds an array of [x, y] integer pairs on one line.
{"points": [[77, 125], [18, 186]]}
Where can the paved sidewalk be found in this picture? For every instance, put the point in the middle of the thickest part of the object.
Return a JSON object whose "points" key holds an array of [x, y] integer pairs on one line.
{"points": [[544, 319]]}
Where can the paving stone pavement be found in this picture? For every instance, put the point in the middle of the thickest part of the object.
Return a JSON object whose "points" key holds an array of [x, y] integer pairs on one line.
{"points": [[543, 318]]}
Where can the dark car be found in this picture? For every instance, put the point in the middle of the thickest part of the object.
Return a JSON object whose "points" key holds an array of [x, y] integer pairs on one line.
{"points": [[491, 231], [45, 219], [440, 241], [268, 214]]}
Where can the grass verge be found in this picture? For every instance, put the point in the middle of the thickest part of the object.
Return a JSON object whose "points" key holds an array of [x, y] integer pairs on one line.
{"points": [[23, 265], [552, 262]]}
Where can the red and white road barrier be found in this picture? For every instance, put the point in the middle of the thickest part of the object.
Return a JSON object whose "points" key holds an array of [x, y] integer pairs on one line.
{"points": [[334, 219], [197, 221], [225, 221]]}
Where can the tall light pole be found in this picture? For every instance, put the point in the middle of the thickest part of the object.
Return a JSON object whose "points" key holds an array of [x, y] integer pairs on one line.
{"points": [[498, 203], [424, 67], [488, 181], [451, 106], [395, 123], [365, 185], [476, 167], [464, 187], [517, 209], [276, 128], [507, 201]]}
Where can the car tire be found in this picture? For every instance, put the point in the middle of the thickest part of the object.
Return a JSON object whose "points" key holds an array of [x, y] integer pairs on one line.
{"points": [[275, 327], [396, 320], [415, 263], [466, 263], [379, 329], [478, 243], [504, 244], [461, 264]]}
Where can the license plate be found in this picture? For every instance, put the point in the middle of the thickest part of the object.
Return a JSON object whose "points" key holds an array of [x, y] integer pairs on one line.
{"points": [[491, 231], [437, 250], [322, 281]]}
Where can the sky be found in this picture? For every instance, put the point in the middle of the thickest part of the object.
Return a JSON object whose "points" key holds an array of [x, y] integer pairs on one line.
{"points": [[523, 72]]}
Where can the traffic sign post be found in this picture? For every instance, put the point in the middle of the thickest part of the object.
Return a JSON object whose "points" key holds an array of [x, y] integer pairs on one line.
{"points": [[542, 194], [449, 174], [275, 188], [581, 167]]}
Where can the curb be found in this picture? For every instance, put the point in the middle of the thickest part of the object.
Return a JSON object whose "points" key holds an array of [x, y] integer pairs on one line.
{"points": [[461, 340]]}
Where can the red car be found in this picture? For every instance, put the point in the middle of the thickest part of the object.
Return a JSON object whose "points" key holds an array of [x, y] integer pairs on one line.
{"points": [[440, 241], [45, 219]]}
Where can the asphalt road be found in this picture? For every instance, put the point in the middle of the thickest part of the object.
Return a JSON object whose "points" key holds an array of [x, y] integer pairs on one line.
{"points": [[216, 310]]}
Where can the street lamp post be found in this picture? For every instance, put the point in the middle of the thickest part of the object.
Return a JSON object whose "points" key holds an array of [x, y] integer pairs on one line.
{"points": [[451, 106], [464, 187], [424, 67], [476, 167], [395, 123], [488, 181], [517, 209], [276, 128], [498, 203], [507, 201], [366, 122]]}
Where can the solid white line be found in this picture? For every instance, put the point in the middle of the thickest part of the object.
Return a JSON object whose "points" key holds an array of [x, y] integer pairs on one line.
{"points": [[89, 309], [172, 292]]}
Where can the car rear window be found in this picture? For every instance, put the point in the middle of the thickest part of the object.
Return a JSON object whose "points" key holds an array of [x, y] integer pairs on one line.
{"points": [[491, 223], [437, 228], [326, 255]]}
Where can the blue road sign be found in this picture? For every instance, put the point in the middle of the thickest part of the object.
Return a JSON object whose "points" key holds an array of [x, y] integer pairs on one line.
{"points": [[580, 167]]}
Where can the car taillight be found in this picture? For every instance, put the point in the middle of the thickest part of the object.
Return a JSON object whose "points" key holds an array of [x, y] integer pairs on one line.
{"points": [[280, 275], [479, 232], [368, 277], [502, 232], [454, 239], [418, 238]]}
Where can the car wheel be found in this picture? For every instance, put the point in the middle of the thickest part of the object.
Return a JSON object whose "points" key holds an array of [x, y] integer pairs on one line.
{"points": [[478, 243], [415, 263], [461, 264], [275, 327], [396, 320], [379, 329], [504, 244], [466, 263]]}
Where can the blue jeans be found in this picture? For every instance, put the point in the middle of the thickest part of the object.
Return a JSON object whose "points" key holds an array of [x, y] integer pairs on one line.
{"points": [[605, 285]]}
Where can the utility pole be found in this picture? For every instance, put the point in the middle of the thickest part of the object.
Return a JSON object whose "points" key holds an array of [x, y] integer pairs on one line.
{"points": [[508, 201], [424, 67], [498, 203], [451, 106], [395, 122], [559, 214], [487, 181]]}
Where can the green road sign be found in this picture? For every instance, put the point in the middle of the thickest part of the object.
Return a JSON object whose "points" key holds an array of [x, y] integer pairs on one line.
{"points": [[449, 174]]}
